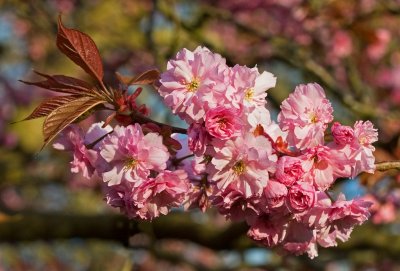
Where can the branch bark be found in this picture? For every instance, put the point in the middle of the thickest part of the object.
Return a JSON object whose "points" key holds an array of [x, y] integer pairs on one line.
{"points": [[383, 166], [48, 226]]}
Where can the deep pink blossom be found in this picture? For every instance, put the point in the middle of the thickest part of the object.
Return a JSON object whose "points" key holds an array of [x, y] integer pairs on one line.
{"points": [[223, 123], [301, 197], [342, 134], [289, 170], [305, 115], [130, 155]]}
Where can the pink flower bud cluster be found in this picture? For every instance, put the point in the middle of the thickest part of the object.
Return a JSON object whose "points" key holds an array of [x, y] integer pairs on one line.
{"points": [[273, 175]]}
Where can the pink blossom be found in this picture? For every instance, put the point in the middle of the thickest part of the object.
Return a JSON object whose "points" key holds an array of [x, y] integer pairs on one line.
{"points": [[378, 48], [194, 82], [289, 170], [198, 194], [341, 44], [275, 194], [121, 196], [305, 115], [234, 205], [385, 213], [317, 217], [244, 162], [342, 134], [258, 116], [300, 239], [151, 198], [250, 86], [343, 216], [365, 134], [323, 165], [301, 197], [156, 196], [130, 155], [269, 230], [223, 123], [197, 138], [72, 139]]}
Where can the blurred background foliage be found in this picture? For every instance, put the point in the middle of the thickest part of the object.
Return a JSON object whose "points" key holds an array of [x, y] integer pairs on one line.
{"points": [[51, 219]]}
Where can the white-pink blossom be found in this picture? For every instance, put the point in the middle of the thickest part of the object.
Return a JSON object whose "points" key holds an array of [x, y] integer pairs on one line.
{"points": [[72, 139], [194, 82], [305, 115], [244, 162], [130, 155]]}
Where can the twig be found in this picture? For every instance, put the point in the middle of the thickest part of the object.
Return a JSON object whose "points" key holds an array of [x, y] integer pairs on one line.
{"points": [[139, 118], [383, 166]]}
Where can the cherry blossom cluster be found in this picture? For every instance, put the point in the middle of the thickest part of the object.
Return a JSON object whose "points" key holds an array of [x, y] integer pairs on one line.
{"points": [[275, 176]]}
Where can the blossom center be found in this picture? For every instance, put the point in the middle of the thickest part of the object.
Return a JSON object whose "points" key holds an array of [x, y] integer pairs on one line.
{"points": [[130, 163], [313, 117], [193, 85], [222, 121], [239, 167], [248, 95]]}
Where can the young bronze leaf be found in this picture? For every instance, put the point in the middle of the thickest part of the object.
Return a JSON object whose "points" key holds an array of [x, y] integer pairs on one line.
{"points": [[81, 49], [49, 105], [146, 78], [63, 84], [58, 119]]}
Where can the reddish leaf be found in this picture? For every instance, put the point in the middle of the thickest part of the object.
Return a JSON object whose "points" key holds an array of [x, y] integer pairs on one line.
{"points": [[81, 49], [49, 105], [63, 84], [146, 78], [57, 120]]}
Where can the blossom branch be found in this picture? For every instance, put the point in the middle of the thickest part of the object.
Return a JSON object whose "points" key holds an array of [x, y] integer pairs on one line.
{"points": [[383, 166]]}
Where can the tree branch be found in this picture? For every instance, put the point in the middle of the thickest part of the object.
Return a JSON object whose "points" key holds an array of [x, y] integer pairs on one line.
{"points": [[48, 226], [383, 166], [139, 118]]}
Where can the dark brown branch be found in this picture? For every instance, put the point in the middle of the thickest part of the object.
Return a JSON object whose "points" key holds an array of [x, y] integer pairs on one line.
{"points": [[41, 226], [139, 118]]}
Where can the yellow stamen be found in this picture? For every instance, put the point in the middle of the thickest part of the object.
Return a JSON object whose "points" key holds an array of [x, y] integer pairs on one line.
{"points": [[313, 117], [193, 85], [239, 168], [248, 96], [130, 163]]}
